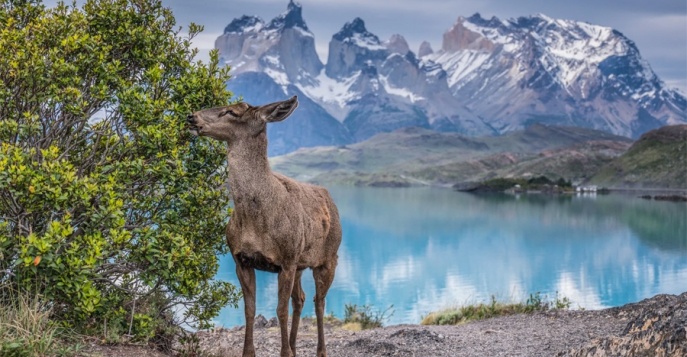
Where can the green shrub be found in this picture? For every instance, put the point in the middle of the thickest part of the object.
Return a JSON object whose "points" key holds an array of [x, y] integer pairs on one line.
{"points": [[540, 180], [365, 316], [502, 184], [108, 208]]}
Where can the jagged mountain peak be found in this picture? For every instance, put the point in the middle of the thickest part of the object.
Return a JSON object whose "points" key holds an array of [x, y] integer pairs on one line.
{"points": [[425, 49], [540, 23], [397, 44], [543, 19], [477, 19], [284, 48], [355, 29], [465, 34], [293, 17], [352, 49], [245, 24], [578, 30]]}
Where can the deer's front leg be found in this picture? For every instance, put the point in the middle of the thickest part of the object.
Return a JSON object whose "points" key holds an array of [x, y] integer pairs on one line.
{"points": [[246, 277], [286, 277], [297, 300]]}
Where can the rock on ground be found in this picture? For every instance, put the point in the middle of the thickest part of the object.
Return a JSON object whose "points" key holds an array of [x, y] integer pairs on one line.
{"points": [[657, 327]]}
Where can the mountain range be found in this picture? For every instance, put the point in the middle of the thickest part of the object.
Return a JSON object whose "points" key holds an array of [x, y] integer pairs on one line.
{"points": [[489, 77]]}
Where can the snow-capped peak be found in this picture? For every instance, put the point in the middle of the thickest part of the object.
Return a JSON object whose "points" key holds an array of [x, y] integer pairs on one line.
{"points": [[565, 49], [284, 48], [355, 33], [245, 24], [291, 18]]}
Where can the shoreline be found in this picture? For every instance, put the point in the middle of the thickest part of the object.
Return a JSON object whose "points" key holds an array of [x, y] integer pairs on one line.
{"points": [[653, 327], [650, 326]]}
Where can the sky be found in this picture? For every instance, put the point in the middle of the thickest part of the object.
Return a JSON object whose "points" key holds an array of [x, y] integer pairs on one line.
{"points": [[658, 27]]}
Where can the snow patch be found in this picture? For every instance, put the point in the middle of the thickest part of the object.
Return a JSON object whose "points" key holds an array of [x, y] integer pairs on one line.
{"points": [[273, 60], [280, 77], [461, 64], [495, 35], [330, 90], [364, 42], [430, 67], [401, 92], [303, 32], [255, 28]]}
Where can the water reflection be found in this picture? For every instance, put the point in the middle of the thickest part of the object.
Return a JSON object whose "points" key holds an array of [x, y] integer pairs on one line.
{"points": [[426, 249]]}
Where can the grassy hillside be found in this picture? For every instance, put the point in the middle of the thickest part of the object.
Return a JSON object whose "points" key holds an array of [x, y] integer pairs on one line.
{"points": [[407, 147], [657, 160], [577, 163], [419, 156]]}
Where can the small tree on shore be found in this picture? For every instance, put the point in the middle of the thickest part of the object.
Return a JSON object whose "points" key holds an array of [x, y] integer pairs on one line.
{"points": [[108, 209]]}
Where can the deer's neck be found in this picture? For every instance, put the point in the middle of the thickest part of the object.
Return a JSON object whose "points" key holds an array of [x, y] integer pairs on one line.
{"points": [[250, 176]]}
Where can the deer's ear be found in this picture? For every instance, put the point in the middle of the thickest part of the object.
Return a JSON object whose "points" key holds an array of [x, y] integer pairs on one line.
{"points": [[278, 111]]}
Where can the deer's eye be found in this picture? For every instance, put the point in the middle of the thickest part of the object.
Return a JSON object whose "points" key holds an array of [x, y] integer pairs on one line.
{"points": [[230, 112]]}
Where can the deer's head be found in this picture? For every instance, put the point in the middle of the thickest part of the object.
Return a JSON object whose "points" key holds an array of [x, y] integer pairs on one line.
{"points": [[239, 121]]}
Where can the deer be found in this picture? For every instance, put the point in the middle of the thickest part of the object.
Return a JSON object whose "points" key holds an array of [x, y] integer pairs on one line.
{"points": [[278, 225]]}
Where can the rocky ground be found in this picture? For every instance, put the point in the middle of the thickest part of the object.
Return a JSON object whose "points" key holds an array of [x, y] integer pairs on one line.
{"points": [[652, 327]]}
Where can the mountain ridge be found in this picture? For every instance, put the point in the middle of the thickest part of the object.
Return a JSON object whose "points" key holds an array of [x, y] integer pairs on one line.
{"points": [[411, 156], [490, 77]]}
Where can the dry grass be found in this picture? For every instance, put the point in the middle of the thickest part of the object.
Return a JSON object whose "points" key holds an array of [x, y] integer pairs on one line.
{"points": [[352, 326], [25, 327]]}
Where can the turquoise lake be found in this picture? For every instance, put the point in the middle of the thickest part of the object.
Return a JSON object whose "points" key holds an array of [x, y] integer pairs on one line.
{"points": [[425, 249]]}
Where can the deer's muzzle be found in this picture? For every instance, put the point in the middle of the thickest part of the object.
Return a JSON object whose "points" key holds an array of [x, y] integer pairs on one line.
{"points": [[193, 124]]}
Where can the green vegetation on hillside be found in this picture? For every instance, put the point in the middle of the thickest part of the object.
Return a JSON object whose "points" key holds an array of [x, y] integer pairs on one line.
{"points": [[108, 211], [657, 160]]}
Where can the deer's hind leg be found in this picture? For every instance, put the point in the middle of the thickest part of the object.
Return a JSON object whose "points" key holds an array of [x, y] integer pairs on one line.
{"points": [[324, 275]]}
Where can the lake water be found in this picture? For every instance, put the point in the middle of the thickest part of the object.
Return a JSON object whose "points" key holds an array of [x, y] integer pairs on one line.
{"points": [[423, 249]]}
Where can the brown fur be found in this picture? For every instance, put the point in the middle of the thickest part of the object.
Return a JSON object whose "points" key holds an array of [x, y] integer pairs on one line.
{"points": [[279, 224]]}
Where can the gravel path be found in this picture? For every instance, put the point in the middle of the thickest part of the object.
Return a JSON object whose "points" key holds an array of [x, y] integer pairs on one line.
{"points": [[652, 327], [542, 334]]}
